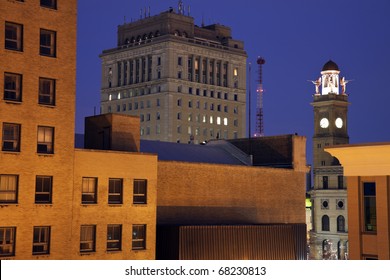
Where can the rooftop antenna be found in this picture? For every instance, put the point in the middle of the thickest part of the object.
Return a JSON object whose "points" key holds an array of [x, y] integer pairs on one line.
{"points": [[189, 10], [149, 11], [259, 108], [202, 20]]}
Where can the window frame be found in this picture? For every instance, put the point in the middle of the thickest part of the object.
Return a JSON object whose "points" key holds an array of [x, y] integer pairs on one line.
{"points": [[88, 238], [340, 223], [138, 241], [45, 143], [45, 48], [17, 83], [42, 192], [8, 240], [367, 200], [50, 4], [116, 237], [87, 191], [18, 41], [325, 223], [14, 140], [43, 240], [43, 94], [7, 190], [115, 192], [140, 191]]}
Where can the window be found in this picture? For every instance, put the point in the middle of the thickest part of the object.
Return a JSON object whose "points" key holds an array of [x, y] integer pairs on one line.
{"points": [[179, 60], [45, 140], [114, 237], [325, 182], [41, 240], [87, 238], [115, 191], [47, 90], [11, 137], [9, 188], [89, 191], [13, 36], [43, 189], [52, 4], [7, 241], [340, 184], [340, 223], [12, 87], [325, 223], [369, 191], [139, 193], [48, 43], [139, 237]]}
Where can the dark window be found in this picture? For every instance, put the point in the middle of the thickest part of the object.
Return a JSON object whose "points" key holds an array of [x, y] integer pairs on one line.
{"points": [[369, 190], [13, 36], [87, 238], [52, 4], [139, 237], [115, 191], [325, 182], [8, 188], [158, 60], [11, 137], [340, 182], [179, 60], [43, 189], [340, 223], [48, 43], [41, 240], [47, 91], [7, 241], [325, 223], [114, 237], [139, 193], [45, 140], [12, 87]]}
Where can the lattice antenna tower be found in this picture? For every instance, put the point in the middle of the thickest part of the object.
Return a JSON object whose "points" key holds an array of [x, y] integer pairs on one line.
{"points": [[259, 106]]}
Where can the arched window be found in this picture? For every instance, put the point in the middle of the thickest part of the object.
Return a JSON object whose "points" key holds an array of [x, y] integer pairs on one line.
{"points": [[325, 223], [340, 223]]}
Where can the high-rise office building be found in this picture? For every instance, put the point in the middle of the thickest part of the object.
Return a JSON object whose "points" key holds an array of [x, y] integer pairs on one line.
{"points": [[186, 83]]}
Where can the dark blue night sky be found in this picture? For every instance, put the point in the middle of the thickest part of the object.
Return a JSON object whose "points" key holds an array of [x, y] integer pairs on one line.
{"points": [[296, 38]]}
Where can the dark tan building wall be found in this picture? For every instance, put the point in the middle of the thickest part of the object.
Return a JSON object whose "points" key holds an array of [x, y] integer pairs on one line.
{"points": [[127, 166], [27, 163], [362, 244], [195, 193]]}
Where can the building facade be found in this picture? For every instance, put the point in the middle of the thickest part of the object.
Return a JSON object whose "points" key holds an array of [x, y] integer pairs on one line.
{"points": [[329, 236], [367, 169], [57, 202], [186, 83]]}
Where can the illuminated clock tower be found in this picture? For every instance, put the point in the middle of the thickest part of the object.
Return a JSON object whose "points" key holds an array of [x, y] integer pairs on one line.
{"points": [[329, 236]]}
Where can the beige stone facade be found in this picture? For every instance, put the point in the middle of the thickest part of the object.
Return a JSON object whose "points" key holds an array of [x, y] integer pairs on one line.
{"points": [[187, 83]]}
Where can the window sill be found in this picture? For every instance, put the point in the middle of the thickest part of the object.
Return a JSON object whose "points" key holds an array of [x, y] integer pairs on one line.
{"points": [[45, 155], [11, 152], [140, 204], [6, 204], [113, 251], [88, 204], [44, 204], [87, 253], [47, 105], [15, 102]]}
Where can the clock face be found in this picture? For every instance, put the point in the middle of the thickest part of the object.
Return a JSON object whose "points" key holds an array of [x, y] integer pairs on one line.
{"points": [[324, 123], [339, 123]]}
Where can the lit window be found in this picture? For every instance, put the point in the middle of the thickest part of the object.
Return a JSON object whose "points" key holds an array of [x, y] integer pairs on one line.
{"points": [[218, 120], [235, 72], [87, 238], [45, 140], [52, 4], [12, 87], [139, 192], [47, 43], [89, 190], [114, 237], [13, 36], [211, 119], [139, 237], [115, 192], [8, 188], [41, 240], [225, 121], [11, 137], [7, 241], [47, 89], [43, 189]]}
